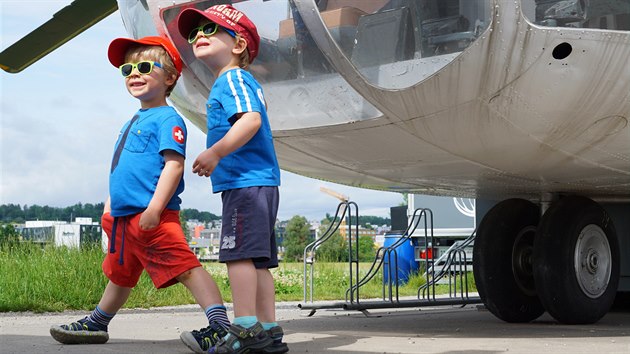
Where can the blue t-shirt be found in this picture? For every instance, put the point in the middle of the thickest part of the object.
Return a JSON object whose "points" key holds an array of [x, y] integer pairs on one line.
{"points": [[255, 163], [133, 181]]}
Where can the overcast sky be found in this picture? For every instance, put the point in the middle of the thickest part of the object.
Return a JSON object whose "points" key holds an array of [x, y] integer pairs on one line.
{"points": [[60, 118]]}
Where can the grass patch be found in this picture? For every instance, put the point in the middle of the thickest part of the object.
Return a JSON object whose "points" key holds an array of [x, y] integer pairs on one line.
{"points": [[54, 279], [59, 278]]}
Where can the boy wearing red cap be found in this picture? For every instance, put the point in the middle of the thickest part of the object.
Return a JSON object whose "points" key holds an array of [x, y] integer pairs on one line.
{"points": [[141, 216], [241, 161]]}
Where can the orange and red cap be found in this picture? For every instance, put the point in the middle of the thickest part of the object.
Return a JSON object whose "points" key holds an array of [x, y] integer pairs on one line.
{"points": [[119, 46]]}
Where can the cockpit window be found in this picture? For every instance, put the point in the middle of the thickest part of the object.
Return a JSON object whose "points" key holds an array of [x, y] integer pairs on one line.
{"points": [[602, 14], [403, 42]]}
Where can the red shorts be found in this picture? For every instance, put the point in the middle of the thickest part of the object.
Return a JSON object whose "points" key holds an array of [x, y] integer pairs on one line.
{"points": [[162, 251]]}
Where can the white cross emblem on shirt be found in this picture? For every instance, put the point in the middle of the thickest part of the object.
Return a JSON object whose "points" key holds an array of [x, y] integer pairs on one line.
{"points": [[178, 135]]}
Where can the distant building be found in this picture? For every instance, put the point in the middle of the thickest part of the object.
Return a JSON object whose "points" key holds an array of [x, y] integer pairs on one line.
{"points": [[205, 248], [363, 231], [82, 231], [383, 229], [379, 239], [281, 230], [204, 242]]}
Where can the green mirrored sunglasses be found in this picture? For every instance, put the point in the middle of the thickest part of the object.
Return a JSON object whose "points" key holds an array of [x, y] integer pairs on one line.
{"points": [[208, 30], [144, 67]]}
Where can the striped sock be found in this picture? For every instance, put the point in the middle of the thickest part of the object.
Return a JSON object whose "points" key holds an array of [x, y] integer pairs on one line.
{"points": [[218, 313], [100, 318]]}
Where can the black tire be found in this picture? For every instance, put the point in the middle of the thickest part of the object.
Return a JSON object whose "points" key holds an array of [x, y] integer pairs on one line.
{"points": [[502, 261], [576, 254]]}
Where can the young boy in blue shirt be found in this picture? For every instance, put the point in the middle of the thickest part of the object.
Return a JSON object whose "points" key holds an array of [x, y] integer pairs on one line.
{"points": [[141, 216], [241, 161]]}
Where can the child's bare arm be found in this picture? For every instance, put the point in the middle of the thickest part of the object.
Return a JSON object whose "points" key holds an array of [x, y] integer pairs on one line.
{"points": [[108, 206], [240, 133], [166, 186]]}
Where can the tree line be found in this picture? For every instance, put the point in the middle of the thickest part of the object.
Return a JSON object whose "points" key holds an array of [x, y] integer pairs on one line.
{"points": [[19, 214], [335, 249], [366, 220], [15, 213]]}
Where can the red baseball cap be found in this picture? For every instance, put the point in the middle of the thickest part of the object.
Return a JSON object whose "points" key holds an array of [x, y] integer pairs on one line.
{"points": [[118, 48], [225, 16]]}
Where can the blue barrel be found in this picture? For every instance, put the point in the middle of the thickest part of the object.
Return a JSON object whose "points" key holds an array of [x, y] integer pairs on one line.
{"points": [[404, 256]]}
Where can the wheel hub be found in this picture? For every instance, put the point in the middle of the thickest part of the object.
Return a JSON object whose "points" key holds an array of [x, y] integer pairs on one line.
{"points": [[592, 261], [522, 252]]}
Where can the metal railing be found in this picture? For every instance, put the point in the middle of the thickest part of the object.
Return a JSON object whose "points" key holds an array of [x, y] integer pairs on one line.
{"points": [[309, 251], [454, 270]]}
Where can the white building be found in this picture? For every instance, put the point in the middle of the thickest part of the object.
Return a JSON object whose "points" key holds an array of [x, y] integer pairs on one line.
{"points": [[62, 233]]}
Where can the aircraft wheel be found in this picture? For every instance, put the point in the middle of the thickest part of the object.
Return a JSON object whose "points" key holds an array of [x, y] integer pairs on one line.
{"points": [[576, 254], [502, 261]]}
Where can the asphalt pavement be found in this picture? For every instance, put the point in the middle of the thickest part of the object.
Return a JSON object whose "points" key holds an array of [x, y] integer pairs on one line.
{"points": [[470, 329]]}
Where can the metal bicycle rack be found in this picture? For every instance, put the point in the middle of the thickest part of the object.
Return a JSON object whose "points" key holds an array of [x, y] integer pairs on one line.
{"points": [[454, 271]]}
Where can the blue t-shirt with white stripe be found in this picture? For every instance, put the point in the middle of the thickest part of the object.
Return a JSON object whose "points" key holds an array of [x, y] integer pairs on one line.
{"points": [[133, 181], [255, 163]]}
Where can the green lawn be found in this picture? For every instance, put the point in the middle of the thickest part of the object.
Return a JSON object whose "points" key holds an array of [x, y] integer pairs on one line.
{"points": [[57, 279]]}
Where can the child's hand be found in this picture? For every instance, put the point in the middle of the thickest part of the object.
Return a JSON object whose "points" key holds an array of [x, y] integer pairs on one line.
{"points": [[206, 162], [149, 219]]}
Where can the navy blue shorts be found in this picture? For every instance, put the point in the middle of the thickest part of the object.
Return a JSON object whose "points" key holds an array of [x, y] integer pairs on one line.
{"points": [[248, 230]]}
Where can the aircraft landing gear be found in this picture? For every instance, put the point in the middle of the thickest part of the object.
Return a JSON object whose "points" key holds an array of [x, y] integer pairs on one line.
{"points": [[567, 265], [576, 257], [502, 258]]}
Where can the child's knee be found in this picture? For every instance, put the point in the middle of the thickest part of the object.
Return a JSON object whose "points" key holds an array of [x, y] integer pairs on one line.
{"points": [[185, 276]]}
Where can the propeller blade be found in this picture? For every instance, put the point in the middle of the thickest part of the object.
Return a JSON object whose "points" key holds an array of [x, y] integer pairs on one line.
{"points": [[65, 25]]}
